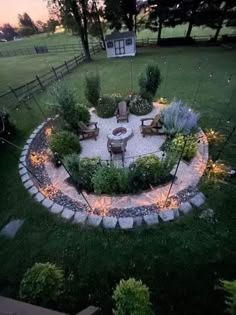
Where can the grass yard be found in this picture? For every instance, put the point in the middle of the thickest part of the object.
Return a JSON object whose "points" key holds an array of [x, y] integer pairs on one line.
{"points": [[19, 70], [182, 261]]}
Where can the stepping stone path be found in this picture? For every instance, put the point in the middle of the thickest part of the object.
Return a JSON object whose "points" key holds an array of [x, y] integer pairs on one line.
{"points": [[11, 228]]}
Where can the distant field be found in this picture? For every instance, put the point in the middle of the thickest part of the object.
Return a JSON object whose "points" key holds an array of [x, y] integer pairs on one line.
{"points": [[67, 38]]}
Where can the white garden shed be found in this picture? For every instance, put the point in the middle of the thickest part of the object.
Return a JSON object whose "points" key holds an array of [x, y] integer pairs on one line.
{"points": [[121, 44]]}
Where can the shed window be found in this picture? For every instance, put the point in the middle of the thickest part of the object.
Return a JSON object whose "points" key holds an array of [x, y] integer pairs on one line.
{"points": [[109, 44], [128, 41]]}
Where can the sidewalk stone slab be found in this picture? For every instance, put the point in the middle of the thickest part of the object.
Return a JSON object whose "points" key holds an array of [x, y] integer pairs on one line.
{"points": [[126, 223], [94, 219], [28, 184], [11, 228], [26, 147], [198, 200], [67, 214], [185, 207], [80, 217], [33, 191], [109, 222], [23, 159], [138, 221], [56, 208], [47, 203], [167, 215], [151, 219], [39, 197]]}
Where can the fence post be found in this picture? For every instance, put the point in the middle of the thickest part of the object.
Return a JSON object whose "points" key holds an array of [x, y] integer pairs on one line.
{"points": [[40, 83], [55, 73], [76, 62], [67, 67], [13, 91]]}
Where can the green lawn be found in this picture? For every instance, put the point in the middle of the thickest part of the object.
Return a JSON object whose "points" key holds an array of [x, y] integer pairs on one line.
{"points": [[182, 261], [16, 71]]}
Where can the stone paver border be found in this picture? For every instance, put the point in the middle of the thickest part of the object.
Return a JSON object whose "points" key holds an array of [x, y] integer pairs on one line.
{"points": [[108, 222]]}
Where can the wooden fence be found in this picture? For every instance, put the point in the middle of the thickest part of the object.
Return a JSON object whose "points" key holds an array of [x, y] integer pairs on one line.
{"points": [[23, 51], [11, 98]]}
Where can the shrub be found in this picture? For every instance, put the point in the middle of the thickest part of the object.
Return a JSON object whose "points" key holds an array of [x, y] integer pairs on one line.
{"points": [[110, 180], [66, 107], [139, 106], [178, 118], [149, 82], [132, 297], [230, 289], [92, 89], [149, 170], [64, 143], [178, 142], [41, 284], [82, 170], [107, 105]]}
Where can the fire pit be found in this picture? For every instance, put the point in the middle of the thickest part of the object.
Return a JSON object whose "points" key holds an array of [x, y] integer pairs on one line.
{"points": [[120, 133]]}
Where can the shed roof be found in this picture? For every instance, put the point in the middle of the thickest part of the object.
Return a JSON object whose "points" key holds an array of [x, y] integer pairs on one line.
{"points": [[117, 35]]}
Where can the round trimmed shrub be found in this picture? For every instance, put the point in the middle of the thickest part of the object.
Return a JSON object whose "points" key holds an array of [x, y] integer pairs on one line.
{"points": [[132, 297], [42, 284], [177, 145], [139, 106], [64, 143]]}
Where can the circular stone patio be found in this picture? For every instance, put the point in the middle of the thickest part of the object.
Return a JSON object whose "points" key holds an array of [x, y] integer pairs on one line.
{"points": [[137, 144], [123, 211]]}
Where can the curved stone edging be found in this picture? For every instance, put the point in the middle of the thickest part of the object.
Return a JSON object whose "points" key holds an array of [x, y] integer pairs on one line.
{"points": [[82, 217]]}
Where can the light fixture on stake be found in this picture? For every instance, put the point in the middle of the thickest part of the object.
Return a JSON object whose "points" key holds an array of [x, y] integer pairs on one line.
{"points": [[225, 143], [199, 84], [225, 111], [74, 181], [176, 170]]}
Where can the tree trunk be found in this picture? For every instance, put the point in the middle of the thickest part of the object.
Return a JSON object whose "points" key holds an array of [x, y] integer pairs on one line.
{"points": [[190, 26], [219, 27], [159, 32], [83, 32], [100, 25]]}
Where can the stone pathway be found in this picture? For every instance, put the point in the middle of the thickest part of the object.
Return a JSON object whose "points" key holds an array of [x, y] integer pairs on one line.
{"points": [[11, 228]]}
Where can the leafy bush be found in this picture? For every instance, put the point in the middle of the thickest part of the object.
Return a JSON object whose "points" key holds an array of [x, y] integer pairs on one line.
{"points": [[139, 106], [132, 297], [178, 118], [230, 289], [149, 82], [82, 170], [66, 107], [149, 170], [64, 143], [110, 180], [41, 284], [107, 105], [92, 89], [178, 142]]}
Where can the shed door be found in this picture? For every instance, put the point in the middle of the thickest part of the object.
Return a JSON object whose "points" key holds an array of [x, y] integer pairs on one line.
{"points": [[120, 47]]}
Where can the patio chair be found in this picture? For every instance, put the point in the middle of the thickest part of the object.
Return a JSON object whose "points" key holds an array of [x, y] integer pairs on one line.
{"points": [[86, 131], [122, 112], [117, 147], [154, 128]]}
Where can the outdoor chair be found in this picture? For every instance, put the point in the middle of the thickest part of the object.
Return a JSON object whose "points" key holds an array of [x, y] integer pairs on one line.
{"points": [[154, 128], [86, 131], [117, 147], [122, 112]]}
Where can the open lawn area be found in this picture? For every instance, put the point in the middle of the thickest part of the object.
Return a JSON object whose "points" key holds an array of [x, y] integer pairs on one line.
{"points": [[181, 261]]}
